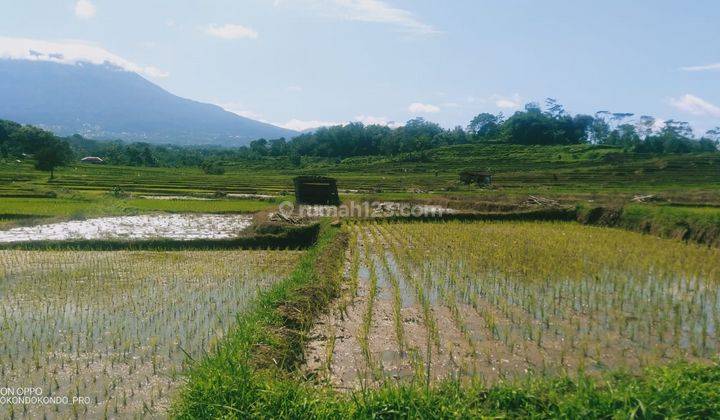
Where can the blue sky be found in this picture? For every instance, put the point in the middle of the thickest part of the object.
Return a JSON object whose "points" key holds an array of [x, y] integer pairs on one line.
{"points": [[300, 63]]}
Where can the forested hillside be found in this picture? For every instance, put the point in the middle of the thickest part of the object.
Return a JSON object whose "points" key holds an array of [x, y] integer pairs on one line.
{"points": [[532, 126]]}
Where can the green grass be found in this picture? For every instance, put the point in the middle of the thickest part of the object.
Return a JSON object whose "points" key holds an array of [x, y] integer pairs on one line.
{"points": [[688, 223], [677, 391], [568, 173], [268, 339], [669, 214], [21, 211], [700, 224], [517, 169], [92, 206], [54, 207]]}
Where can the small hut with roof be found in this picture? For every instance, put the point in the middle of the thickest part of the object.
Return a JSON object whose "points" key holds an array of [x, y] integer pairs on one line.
{"points": [[316, 190]]}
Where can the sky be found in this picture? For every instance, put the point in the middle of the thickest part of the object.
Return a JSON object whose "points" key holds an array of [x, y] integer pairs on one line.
{"points": [[306, 63]]}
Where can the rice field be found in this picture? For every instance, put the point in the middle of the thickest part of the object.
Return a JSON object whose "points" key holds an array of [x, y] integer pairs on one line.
{"points": [[114, 330], [495, 301]]}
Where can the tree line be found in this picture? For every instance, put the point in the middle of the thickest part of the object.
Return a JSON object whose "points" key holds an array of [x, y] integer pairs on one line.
{"points": [[21, 141], [530, 126], [48, 151], [533, 125]]}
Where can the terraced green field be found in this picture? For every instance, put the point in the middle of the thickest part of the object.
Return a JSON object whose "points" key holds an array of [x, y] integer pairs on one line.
{"points": [[560, 168], [568, 173]]}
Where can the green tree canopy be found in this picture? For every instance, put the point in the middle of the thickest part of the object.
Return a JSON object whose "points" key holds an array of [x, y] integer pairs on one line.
{"points": [[52, 155]]}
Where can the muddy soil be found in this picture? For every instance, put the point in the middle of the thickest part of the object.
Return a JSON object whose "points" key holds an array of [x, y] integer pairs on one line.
{"points": [[420, 330]]}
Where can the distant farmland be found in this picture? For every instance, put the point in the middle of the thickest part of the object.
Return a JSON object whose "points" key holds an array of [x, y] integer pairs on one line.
{"points": [[554, 168]]}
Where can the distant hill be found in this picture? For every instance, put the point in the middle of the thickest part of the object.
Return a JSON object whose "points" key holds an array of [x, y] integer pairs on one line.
{"points": [[106, 102]]}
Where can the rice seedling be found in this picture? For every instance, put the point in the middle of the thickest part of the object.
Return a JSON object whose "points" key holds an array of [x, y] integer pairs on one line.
{"points": [[505, 300], [118, 329], [351, 271], [380, 251], [364, 333]]}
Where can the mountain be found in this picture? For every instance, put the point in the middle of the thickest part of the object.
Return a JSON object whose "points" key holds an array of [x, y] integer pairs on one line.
{"points": [[107, 102]]}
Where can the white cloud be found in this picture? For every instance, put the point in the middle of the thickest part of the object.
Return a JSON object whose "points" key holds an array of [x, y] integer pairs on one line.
{"points": [[695, 105], [155, 72], [370, 120], [500, 101], [248, 114], [375, 11], [69, 52], [84, 9], [504, 102], [707, 67], [301, 125], [294, 89], [420, 108], [241, 110], [231, 31]]}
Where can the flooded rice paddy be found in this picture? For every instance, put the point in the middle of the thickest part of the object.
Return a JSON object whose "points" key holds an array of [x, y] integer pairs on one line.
{"points": [[118, 328], [150, 226], [496, 301]]}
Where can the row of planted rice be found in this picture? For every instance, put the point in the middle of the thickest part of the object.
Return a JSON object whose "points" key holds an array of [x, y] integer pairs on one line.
{"points": [[491, 301], [116, 329]]}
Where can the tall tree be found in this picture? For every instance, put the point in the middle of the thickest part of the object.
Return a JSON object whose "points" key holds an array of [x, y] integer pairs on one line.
{"points": [[646, 126], [618, 118], [533, 107], [674, 128], [485, 125], [148, 158], [554, 108], [278, 147], [51, 156], [713, 134], [259, 146], [600, 128]]}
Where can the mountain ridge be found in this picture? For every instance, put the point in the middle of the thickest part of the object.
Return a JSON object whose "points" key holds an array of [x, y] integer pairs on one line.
{"points": [[106, 102]]}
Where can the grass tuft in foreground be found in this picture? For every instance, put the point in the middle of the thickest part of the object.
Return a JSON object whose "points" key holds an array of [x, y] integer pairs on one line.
{"points": [[677, 391]]}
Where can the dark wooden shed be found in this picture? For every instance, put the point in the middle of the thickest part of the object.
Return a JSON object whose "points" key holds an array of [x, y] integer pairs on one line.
{"points": [[318, 190], [476, 177]]}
